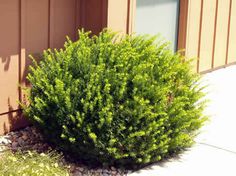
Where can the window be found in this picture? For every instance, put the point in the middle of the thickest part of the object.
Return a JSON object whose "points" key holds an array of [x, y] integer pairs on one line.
{"points": [[158, 16]]}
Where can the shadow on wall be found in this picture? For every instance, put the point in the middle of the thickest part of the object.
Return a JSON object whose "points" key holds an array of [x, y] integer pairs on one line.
{"points": [[13, 71], [6, 62], [142, 3], [14, 64], [12, 120], [25, 29], [9, 81], [28, 62], [15, 121]]}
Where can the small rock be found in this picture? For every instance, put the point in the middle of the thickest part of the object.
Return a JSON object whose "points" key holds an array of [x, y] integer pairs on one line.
{"points": [[95, 173], [105, 173], [122, 172], [21, 142], [4, 140], [99, 171], [85, 172], [77, 173], [28, 129], [3, 148], [34, 131], [80, 169], [72, 168], [114, 172], [13, 138], [14, 145], [24, 136]]}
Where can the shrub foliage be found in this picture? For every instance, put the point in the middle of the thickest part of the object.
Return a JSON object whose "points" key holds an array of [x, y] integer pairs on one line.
{"points": [[112, 99]]}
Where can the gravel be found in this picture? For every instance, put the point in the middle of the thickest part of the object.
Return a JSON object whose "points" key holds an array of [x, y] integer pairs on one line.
{"points": [[29, 138]]}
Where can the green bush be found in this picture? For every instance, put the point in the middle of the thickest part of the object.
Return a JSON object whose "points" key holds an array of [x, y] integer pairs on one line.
{"points": [[116, 100], [31, 164]]}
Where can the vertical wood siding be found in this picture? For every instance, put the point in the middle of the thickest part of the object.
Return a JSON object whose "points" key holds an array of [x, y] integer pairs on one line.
{"points": [[193, 30], [221, 33], [207, 30], [232, 34], [211, 33], [9, 54], [121, 15], [29, 27]]}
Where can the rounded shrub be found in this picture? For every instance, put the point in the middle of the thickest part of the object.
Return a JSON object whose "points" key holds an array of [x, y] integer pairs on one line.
{"points": [[116, 100]]}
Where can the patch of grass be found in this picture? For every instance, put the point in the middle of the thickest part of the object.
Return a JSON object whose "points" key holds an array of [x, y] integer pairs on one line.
{"points": [[31, 163]]}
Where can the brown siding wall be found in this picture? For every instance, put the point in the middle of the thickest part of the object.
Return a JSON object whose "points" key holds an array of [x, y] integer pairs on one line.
{"points": [[232, 33], [29, 27], [211, 33], [121, 15], [207, 30], [9, 54], [93, 16]]}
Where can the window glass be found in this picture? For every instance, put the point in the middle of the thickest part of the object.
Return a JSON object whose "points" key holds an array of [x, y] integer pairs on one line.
{"points": [[158, 16]]}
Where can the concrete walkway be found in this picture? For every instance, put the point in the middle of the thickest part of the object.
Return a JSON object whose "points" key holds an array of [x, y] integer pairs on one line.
{"points": [[215, 151]]}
